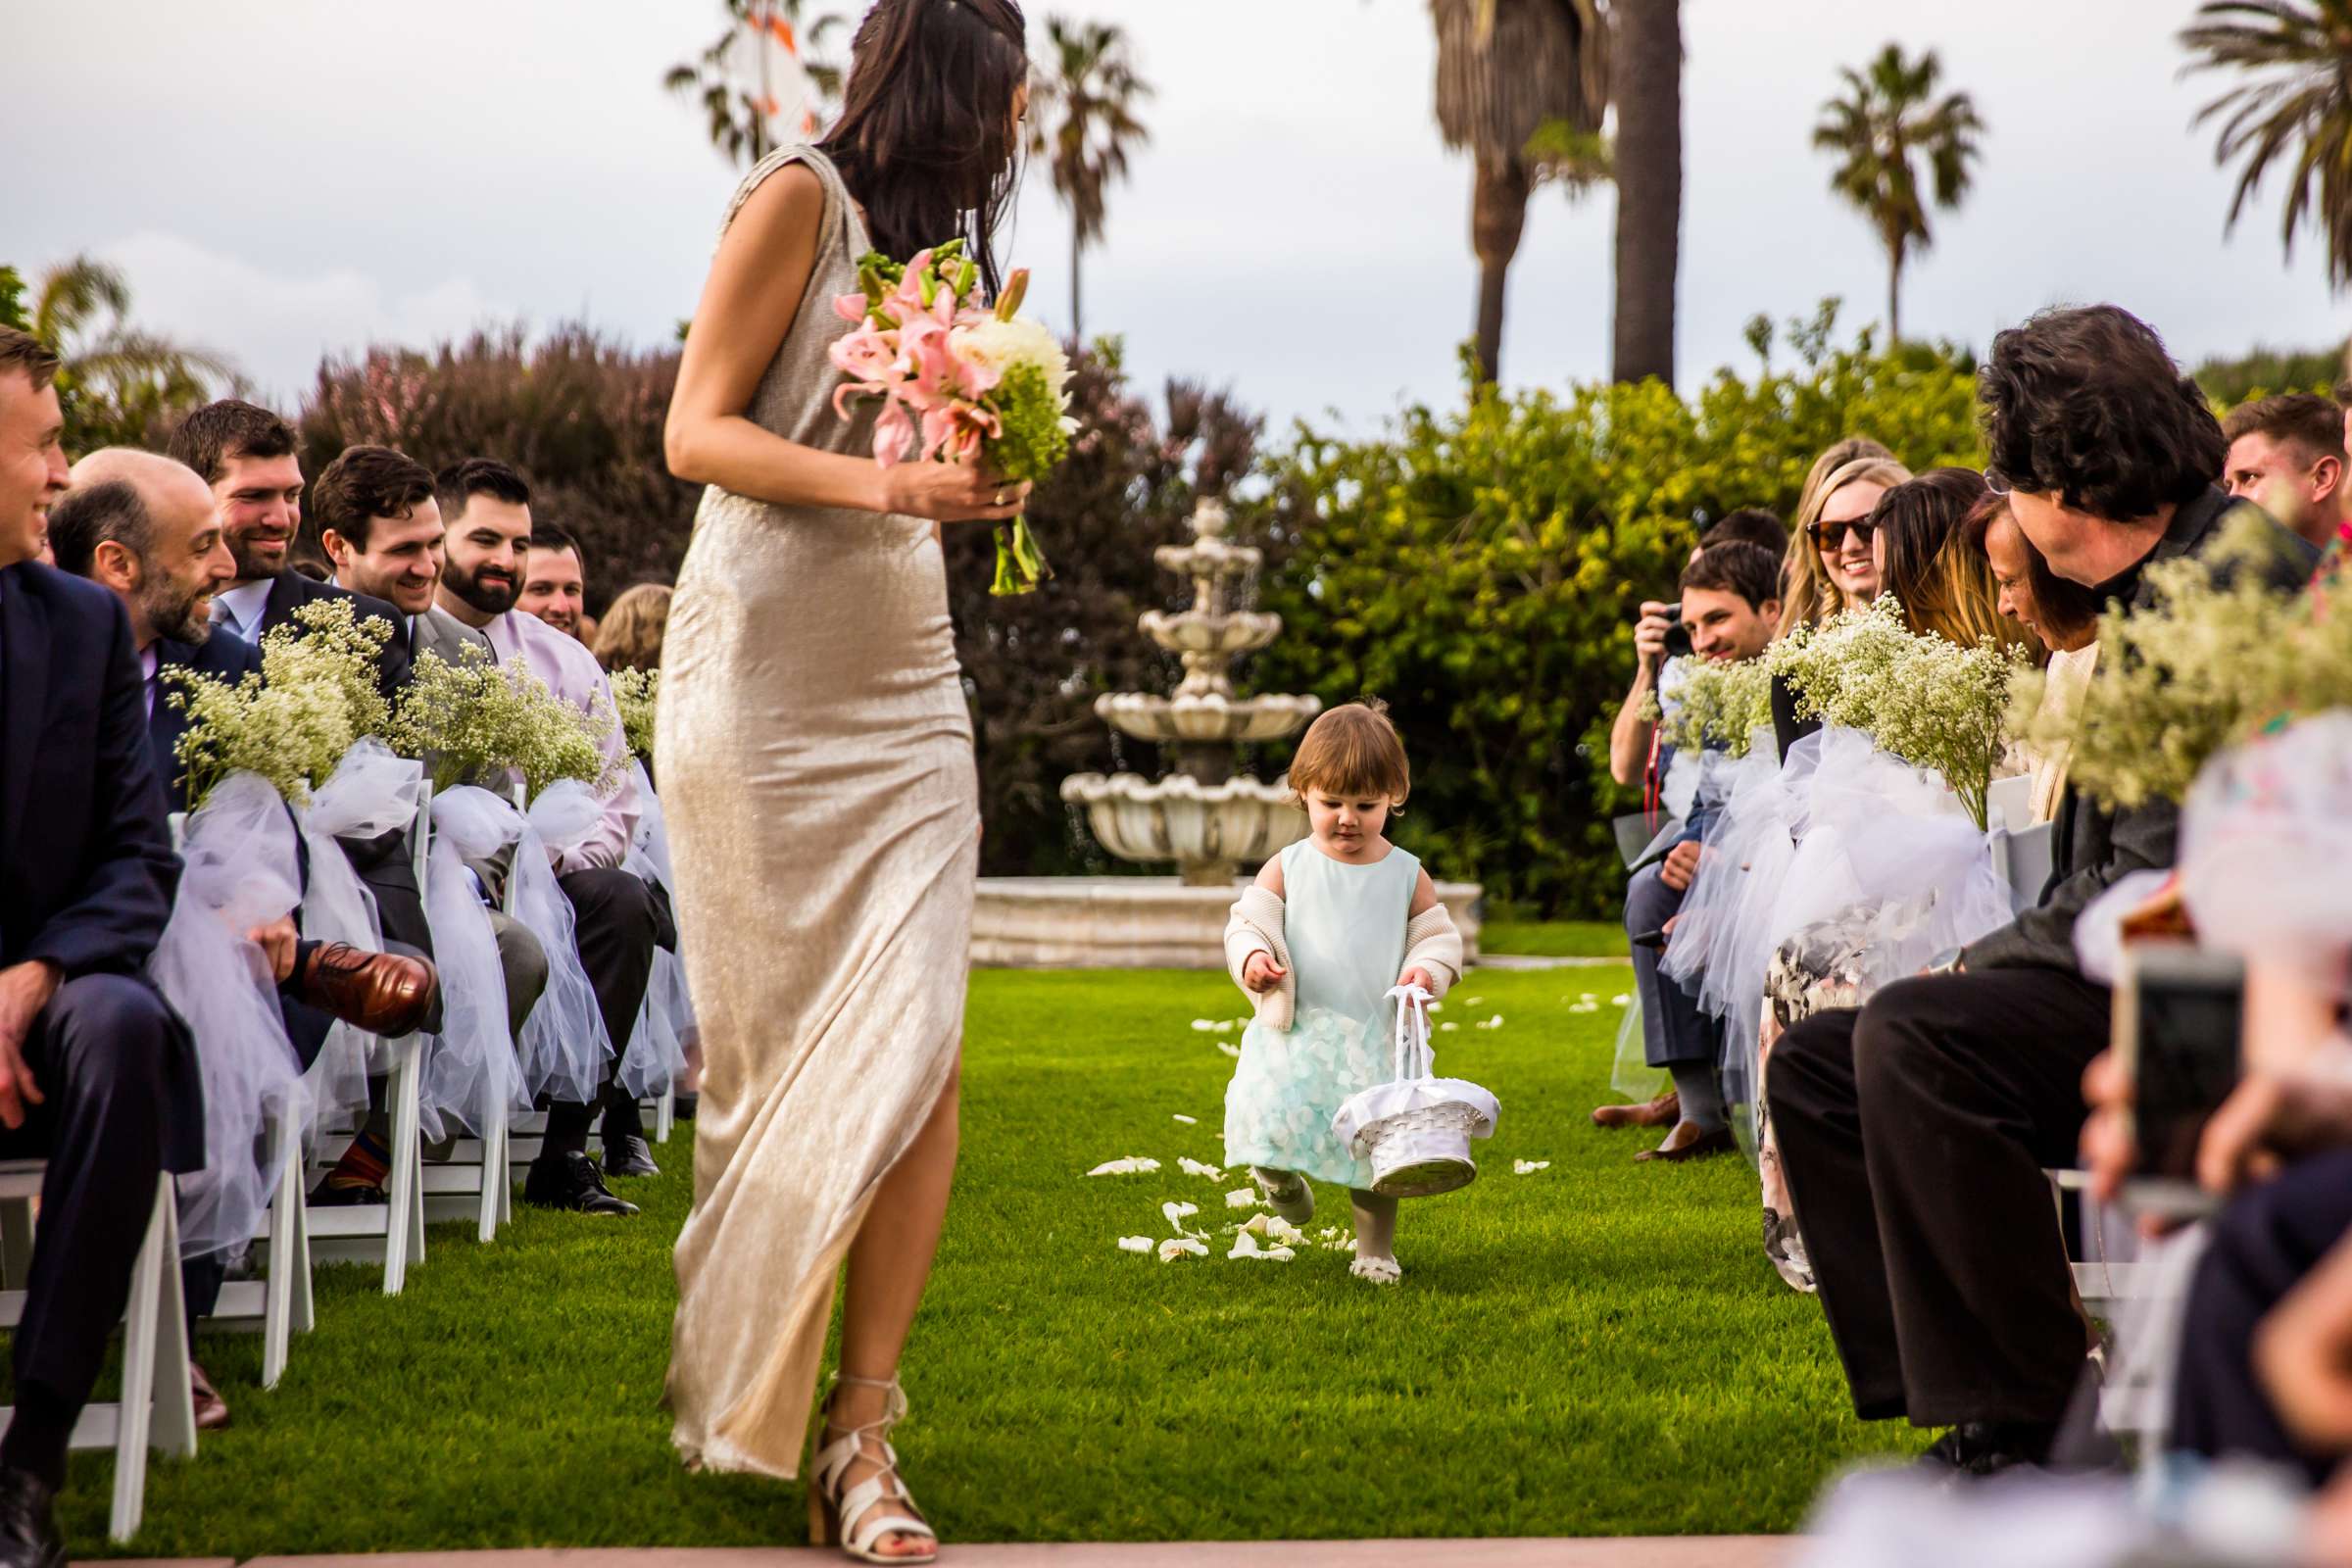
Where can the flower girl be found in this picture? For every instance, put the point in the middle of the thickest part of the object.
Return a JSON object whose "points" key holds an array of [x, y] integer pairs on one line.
{"points": [[1332, 924]]}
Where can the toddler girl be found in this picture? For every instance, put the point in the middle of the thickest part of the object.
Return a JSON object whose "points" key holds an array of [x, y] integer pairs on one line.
{"points": [[1333, 922]]}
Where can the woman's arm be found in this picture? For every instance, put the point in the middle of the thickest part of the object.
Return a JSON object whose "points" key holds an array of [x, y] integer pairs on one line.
{"points": [[762, 269]]}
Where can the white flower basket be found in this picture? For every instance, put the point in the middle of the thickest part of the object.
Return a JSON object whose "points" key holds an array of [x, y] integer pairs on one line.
{"points": [[1416, 1130]]}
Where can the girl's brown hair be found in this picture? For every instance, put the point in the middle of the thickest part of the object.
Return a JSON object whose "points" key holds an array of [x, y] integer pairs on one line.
{"points": [[1352, 752], [1936, 572], [629, 637]]}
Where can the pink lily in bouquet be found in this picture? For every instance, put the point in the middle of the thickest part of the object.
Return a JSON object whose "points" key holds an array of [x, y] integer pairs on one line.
{"points": [[958, 383]]}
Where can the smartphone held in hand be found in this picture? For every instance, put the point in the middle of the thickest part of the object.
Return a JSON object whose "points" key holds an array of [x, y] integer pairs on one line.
{"points": [[2178, 1028]]}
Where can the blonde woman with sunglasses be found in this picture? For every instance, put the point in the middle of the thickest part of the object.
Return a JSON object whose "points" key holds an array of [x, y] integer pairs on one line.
{"points": [[1830, 563]]}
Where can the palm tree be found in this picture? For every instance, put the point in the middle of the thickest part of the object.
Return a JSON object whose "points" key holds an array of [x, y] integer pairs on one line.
{"points": [[1889, 117], [1083, 123], [1506, 70], [2297, 100], [1649, 89], [734, 80], [121, 383]]}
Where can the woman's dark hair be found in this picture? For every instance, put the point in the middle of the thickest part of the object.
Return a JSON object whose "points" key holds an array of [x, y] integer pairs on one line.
{"points": [[926, 140], [2084, 404], [1944, 586], [2069, 607]]}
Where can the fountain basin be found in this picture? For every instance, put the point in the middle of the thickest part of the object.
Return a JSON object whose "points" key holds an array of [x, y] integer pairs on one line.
{"points": [[1203, 632], [1131, 922], [1210, 718], [1208, 557], [1206, 829]]}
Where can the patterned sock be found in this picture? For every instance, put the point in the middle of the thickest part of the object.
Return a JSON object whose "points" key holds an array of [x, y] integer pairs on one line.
{"points": [[366, 1163]]}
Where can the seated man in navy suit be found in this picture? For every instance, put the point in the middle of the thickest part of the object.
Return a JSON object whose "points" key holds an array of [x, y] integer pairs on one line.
{"points": [[143, 526], [97, 1075]]}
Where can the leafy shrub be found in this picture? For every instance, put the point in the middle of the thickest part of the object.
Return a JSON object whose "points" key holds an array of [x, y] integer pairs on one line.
{"points": [[1479, 567]]}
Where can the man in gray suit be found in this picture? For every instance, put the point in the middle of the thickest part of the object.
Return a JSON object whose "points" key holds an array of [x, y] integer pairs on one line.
{"points": [[380, 525]]}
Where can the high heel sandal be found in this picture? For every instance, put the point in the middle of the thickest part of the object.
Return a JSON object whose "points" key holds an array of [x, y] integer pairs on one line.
{"points": [[855, 1522]]}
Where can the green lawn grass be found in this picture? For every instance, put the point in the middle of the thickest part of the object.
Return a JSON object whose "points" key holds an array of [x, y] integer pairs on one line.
{"points": [[1510, 935], [1596, 1349]]}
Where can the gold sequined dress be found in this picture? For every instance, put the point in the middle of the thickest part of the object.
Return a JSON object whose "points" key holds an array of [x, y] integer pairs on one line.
{"points": [[817, 774]]}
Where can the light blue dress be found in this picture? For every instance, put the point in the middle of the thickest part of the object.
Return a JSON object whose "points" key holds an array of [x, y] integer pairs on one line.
{"points": [[1345, 925]]}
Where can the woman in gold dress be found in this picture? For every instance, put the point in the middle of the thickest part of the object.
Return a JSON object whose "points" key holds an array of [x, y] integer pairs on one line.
{"points": [[816, 767]]}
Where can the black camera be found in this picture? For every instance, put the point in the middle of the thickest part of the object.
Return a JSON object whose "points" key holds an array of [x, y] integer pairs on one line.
{"points": [[1677, 635]]}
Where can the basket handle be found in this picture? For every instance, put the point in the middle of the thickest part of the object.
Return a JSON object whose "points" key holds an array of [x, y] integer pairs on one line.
{"points": [[1410, 1051]]}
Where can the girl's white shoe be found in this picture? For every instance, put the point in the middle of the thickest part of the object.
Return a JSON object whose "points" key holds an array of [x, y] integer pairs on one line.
{"points": [[1379, 1270], [878, 1505]]}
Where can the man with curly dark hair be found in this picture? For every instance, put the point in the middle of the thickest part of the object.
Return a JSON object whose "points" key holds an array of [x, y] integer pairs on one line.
{"points": [[1914, 1131]]}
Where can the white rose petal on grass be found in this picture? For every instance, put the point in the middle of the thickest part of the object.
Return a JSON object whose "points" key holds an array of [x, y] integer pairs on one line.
{"points": [[1245, 1244], [1586, 1007], [1228, 1026], [1274, 1228], [1437, 1006], [1243, 1197], [1622, 999], [1176, 1246], [1132, 1165], [1205, 1025], [1193, 1167], [1229, 1049], [1448, 1026], [1177, 1214], [1135, 1243], [1528, 1167], [1188, 1121], [1472, 1001]]}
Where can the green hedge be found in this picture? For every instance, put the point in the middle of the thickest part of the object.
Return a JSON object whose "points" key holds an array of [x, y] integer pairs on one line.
{"points": [[1478, 567]]}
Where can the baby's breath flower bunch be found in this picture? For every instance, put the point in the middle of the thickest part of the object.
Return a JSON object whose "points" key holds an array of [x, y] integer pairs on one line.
{"points": [[337, 652], [478, 719], [292, 735], [2216, 658], [1924, 699], [638, 695], [1720, 702]]}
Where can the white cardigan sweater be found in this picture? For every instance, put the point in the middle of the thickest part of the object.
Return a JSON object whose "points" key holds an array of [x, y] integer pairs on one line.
{"points": [[1431, 943]]}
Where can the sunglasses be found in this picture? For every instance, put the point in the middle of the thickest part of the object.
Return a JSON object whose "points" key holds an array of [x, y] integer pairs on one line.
{"points": [[1827, 536]]}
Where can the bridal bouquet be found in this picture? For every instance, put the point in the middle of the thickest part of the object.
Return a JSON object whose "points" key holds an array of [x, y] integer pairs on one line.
{"points": [[2216, 659], [1929, 700], [317, 695], [958, 382], [478, 719]]}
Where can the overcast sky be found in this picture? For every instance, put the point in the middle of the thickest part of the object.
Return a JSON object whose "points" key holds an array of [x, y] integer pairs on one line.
{"points": [[282, 177]]}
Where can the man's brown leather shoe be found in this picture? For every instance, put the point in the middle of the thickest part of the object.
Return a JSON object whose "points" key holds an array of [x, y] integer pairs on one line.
{"points": [[211, 1410], [382, 993], [1663, 1111]]}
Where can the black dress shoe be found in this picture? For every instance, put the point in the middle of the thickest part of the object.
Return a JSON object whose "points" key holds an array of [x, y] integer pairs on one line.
{"points": [[628, 1156], [329, 1193], [684, 1106], [29, 1537], [570, 1182], [1979, 1448]]}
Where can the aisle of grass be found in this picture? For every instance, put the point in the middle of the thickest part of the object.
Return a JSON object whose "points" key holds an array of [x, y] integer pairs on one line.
{"points": [[1595, 1349]]}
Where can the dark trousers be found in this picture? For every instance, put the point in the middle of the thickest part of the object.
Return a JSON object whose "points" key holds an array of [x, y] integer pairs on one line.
{"points": [[1914, 1135], [615, 925], [1675, 1031], [101, 1053], [2261, 1247]]}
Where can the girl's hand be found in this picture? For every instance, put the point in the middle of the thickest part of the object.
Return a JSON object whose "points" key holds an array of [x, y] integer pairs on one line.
{"points": [[950, 492], [1261, 973], [1418, 976]]}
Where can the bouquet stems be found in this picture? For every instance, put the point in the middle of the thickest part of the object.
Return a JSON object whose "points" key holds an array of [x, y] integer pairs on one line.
{"points": [[1020, 563]]}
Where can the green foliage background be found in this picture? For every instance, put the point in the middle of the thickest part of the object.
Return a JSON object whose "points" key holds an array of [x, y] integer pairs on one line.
{"points": [[1478, 567]]}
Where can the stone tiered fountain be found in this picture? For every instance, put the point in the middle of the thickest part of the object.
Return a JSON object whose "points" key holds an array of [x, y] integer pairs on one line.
{"points": [[1201, 816]]}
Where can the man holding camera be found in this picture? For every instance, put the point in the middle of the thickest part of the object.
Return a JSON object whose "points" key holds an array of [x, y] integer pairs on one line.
{"points": [[1729, 603]]}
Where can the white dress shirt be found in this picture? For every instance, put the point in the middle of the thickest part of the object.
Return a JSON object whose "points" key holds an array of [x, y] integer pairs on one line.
{"points": [[572, 673], [241, 608]]}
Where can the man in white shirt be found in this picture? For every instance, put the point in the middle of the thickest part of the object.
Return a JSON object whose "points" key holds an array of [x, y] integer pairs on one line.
{"points": [[486, 506]]}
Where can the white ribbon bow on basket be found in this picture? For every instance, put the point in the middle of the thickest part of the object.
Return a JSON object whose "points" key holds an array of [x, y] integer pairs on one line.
{"points": [[1416, 1129]]}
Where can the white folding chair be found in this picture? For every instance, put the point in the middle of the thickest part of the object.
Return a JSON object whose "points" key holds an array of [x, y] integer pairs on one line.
{"points": [[392, 1231], [280, 1302], [158, 1408]]}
